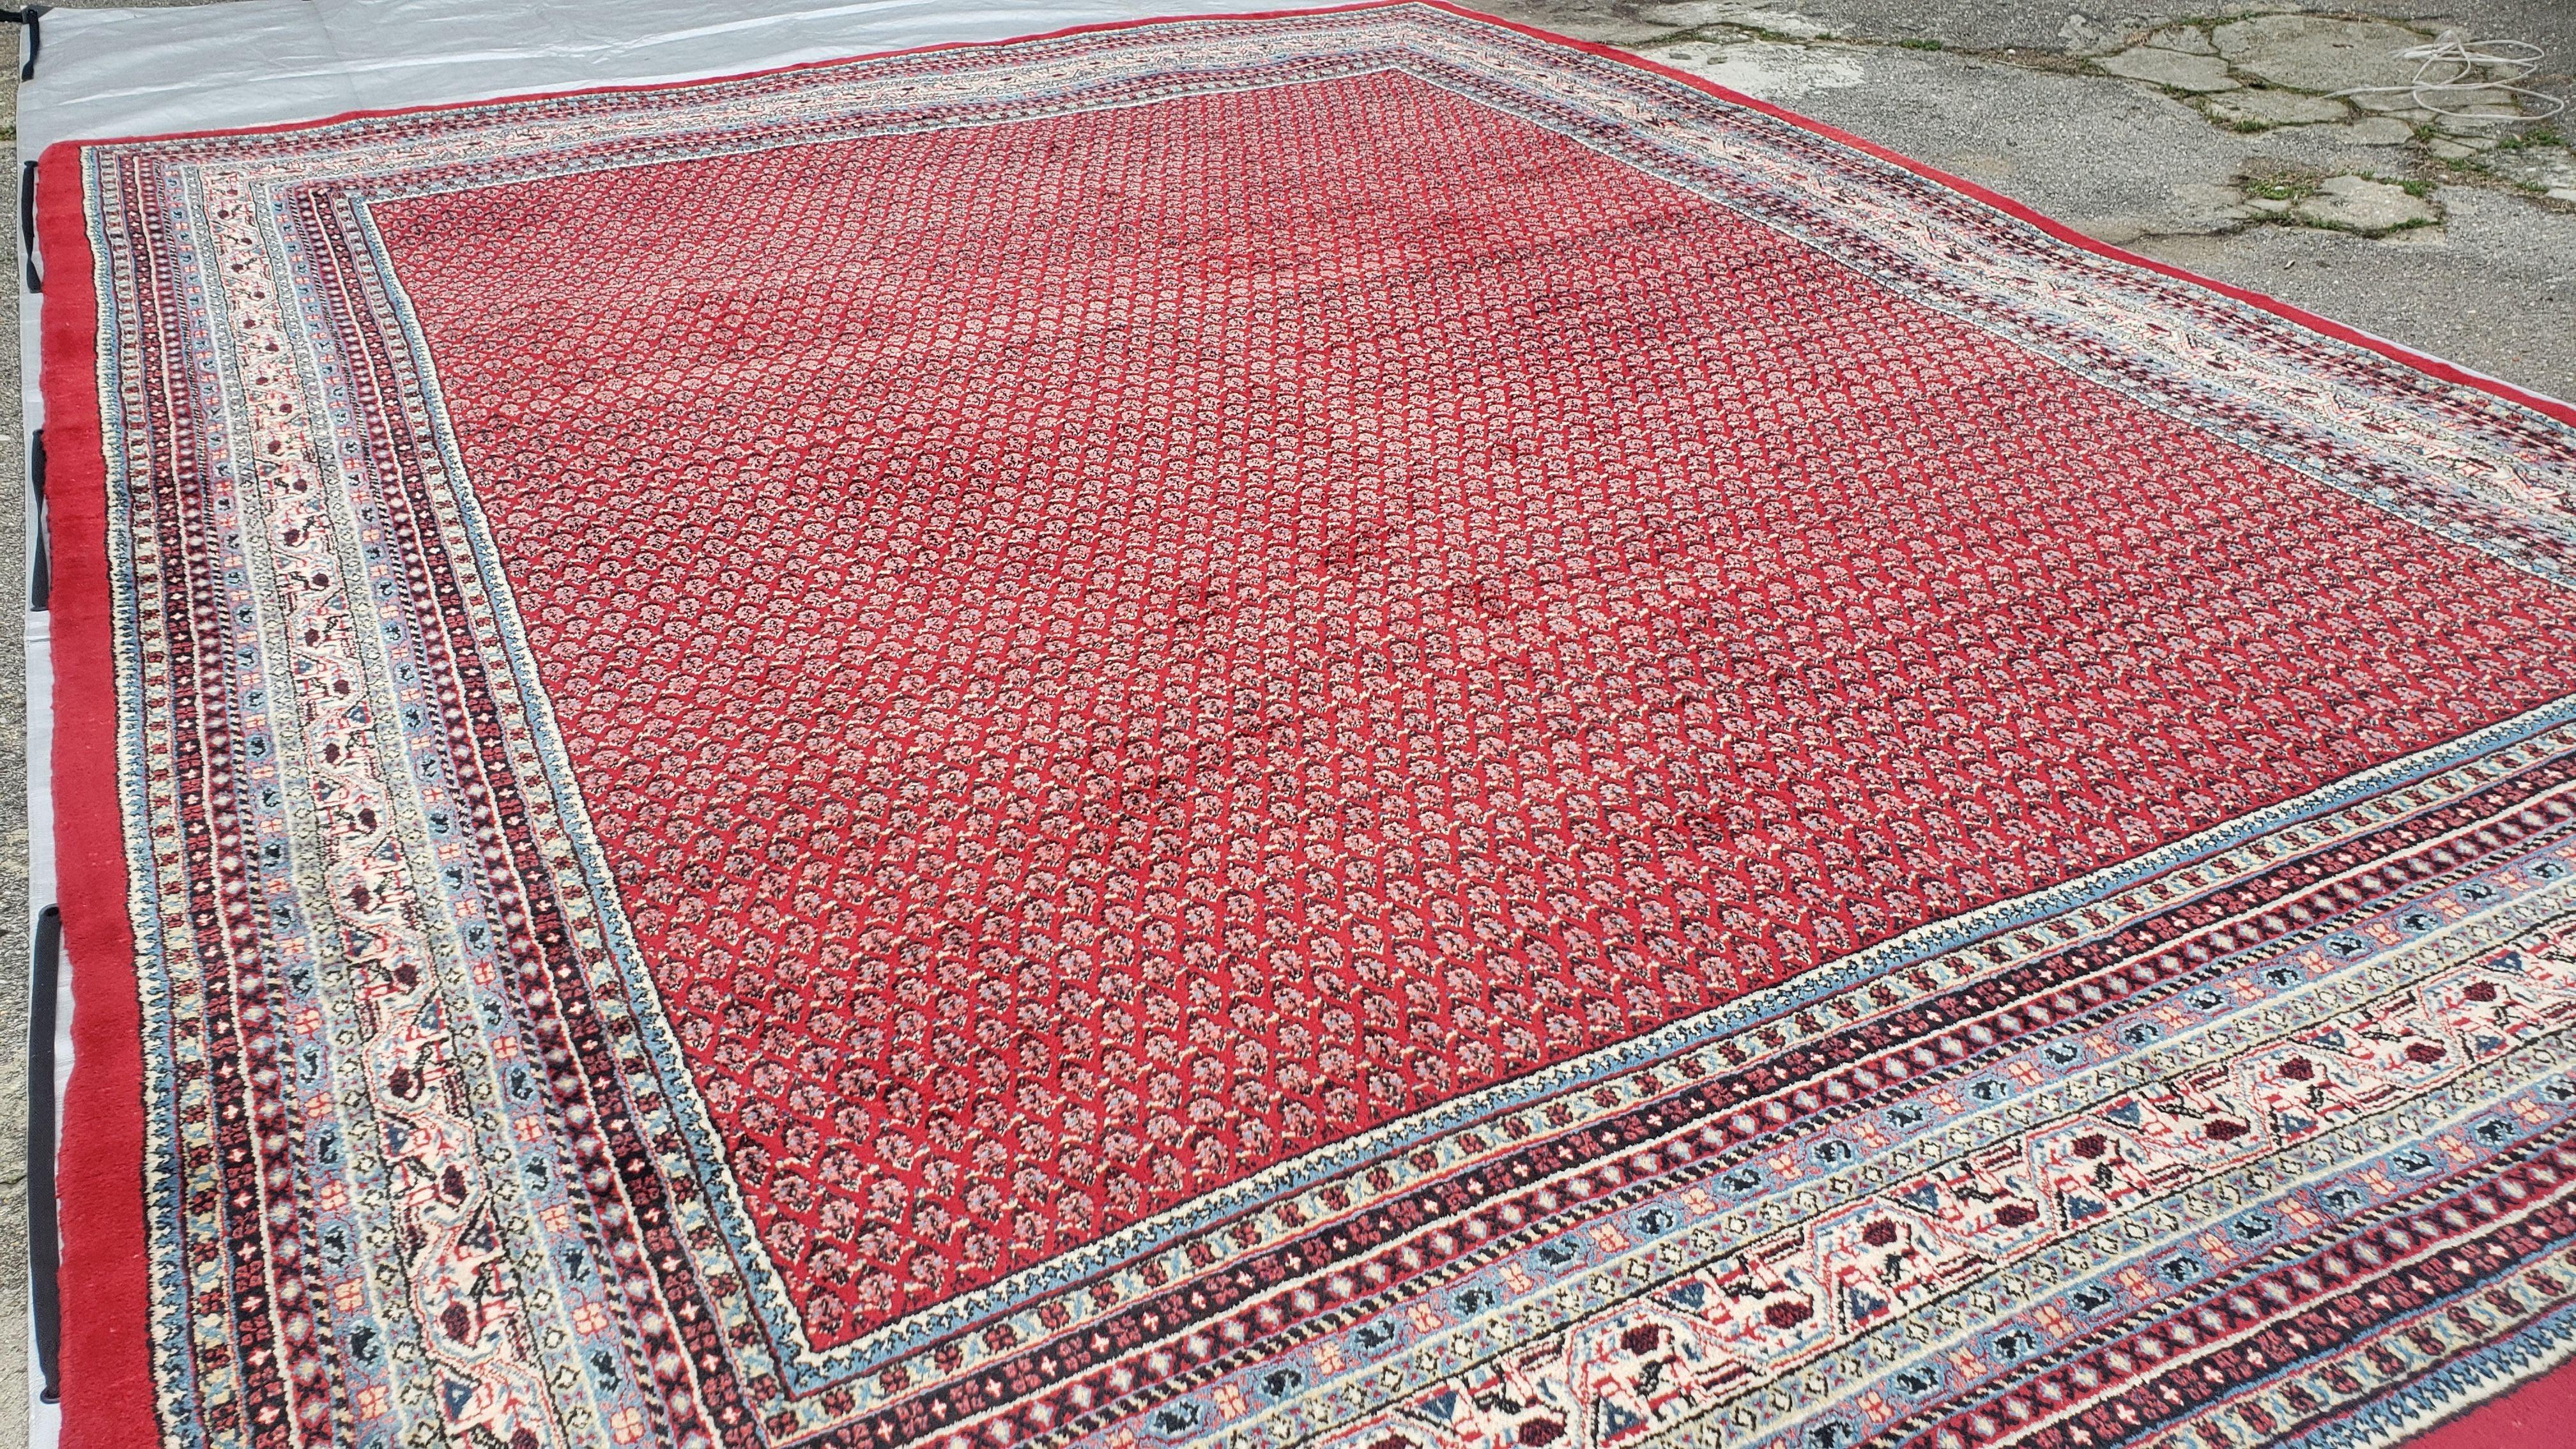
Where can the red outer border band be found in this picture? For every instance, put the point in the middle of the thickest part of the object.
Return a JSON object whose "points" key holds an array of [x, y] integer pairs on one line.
{"points": [[2538, 1413], [109, 1399], [106, 1363]]}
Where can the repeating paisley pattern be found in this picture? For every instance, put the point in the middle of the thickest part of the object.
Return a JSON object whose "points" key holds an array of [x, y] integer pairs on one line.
{"points": [[1379, 725], [1337, 729]]}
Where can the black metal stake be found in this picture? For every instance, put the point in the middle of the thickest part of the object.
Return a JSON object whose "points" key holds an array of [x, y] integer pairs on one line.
{"points": [[40, 586], [27, 227], [44, 1240], [35, 35]]}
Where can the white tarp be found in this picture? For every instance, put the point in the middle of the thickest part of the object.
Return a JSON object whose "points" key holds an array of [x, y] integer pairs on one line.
{"points": [[110, 73], [259, 62]]}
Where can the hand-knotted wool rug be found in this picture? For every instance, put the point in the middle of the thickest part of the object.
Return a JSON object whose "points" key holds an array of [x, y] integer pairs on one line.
{"points": [[1349, 728]]}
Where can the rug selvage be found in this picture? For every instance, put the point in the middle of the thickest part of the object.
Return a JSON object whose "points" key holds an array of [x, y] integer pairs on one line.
{"points": [[107, 1388]]}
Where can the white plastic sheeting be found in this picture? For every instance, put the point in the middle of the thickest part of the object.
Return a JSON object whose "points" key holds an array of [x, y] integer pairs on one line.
{"points": [[116, 73], [259, 62]]}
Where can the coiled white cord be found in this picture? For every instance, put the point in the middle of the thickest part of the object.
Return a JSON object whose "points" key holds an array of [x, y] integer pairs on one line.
{"points": [[2450, 67]]}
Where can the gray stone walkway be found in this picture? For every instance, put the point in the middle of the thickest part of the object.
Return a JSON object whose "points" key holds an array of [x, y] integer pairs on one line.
{"points": [[2206, 137]]}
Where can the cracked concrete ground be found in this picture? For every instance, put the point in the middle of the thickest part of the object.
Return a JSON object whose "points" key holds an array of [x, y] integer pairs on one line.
{"points": [[2208, 137], [2202, 135]]}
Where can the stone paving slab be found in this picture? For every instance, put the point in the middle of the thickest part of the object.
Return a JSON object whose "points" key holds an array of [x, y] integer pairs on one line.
{"points": [[2278, 108], [2310, 53], [2172, 69], [2359, 204]]}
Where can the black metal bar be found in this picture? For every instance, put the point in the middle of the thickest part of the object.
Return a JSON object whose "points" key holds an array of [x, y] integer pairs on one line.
{"points": [[44, 1241], [40, 586], [27, 226], [28, 17]]}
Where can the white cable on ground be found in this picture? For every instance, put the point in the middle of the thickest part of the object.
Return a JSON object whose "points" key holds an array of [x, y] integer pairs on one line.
{"points": [[2444, 70]]}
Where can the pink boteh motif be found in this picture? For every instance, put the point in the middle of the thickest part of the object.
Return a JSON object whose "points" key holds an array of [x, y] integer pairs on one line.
{"points": [[1347, 727]]}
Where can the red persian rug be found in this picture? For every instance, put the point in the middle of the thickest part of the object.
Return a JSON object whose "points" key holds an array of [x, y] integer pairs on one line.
{"points": [[1349, 728]]}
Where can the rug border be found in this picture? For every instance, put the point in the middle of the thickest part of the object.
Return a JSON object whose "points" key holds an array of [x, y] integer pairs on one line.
{"points": [[109, 1398], [2508, 1420]]}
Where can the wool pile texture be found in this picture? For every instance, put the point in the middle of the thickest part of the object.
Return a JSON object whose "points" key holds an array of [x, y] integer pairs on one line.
{"points": [[1346, 729]]}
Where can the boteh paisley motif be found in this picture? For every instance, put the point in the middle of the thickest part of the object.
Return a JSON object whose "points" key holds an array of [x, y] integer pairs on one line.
{"points": [[1349, 729]]}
